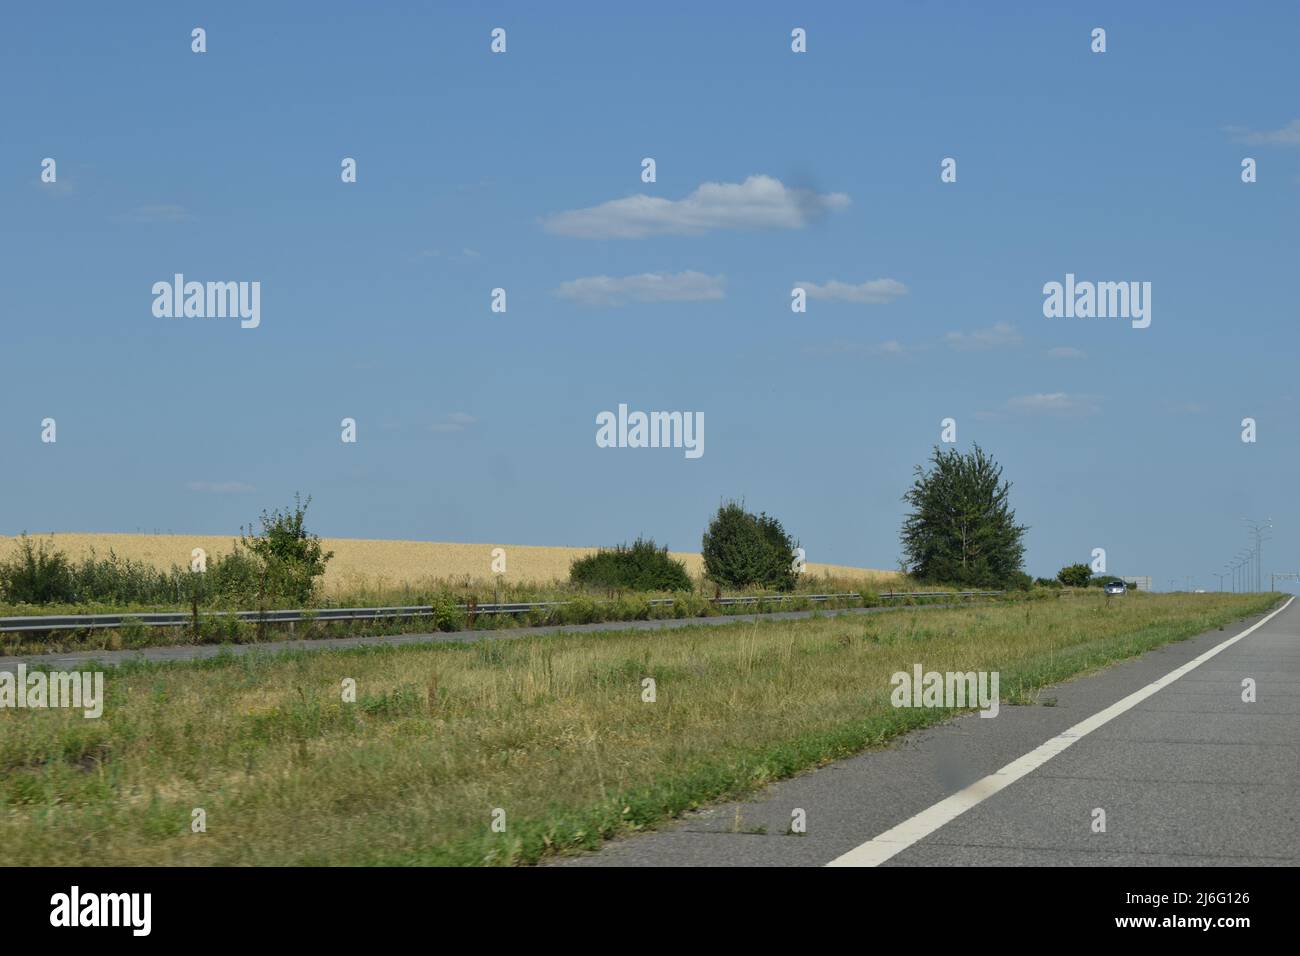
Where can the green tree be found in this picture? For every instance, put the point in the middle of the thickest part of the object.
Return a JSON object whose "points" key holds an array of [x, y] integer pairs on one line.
{"points": [[291, 557], [961, 529], [744, 550], [1075, 575]]}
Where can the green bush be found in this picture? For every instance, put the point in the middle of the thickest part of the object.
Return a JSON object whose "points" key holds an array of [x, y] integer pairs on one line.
{"points": [[1018, 581], [638, 567], [115, 580], [231, 579], [743, 550], [447, 615], [37, 575], [279, 566], [1075, 575]]}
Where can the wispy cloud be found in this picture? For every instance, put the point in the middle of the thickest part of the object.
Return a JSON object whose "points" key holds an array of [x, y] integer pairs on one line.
{"points": [[760, 202], [156, 213], [647, 287], [1054, 403], [1066, 352], [453, 422], [873, 292], [1001, 335], [1288, 135], [220, 487]]}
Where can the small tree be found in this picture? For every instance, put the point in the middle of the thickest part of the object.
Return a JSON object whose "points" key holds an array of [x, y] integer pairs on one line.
{"points": [[291, 557], [1075, 575], [961, 529], [743, 550]]}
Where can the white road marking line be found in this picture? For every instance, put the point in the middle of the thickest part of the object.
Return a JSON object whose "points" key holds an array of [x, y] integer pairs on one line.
{"points": [[899, 838]]}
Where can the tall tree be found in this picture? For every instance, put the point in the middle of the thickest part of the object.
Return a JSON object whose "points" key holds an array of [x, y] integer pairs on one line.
{"points": [[961, 529]]}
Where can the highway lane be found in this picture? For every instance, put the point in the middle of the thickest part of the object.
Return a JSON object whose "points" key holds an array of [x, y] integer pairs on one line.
{"points": [[1191, 775]]}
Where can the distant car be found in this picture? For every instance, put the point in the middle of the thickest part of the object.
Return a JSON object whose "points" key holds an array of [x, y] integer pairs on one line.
{"points": [[1116, 587], [1199, 591]]}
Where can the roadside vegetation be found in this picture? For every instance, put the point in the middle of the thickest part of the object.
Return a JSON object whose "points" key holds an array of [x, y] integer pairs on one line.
{"points": [[447, 613], [554, 731], [961, 533], [637, 567], [278, 565], [281, 565]]}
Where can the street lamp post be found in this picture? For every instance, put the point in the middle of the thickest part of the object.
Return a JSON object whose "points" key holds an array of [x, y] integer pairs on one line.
{"points": [[1260, 531]]}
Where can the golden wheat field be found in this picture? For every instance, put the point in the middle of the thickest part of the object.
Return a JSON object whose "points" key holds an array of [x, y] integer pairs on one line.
{"points": [[358, 561]]}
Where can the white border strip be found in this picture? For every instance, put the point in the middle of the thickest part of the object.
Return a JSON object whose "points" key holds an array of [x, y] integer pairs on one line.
{"points": [[899, 838]]}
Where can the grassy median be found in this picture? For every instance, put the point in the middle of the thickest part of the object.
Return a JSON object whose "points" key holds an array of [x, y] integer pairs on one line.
{"points": [[551, 730]]}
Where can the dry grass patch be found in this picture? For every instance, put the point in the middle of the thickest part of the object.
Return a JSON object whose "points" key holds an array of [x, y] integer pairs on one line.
{"points": [[551, 729]]}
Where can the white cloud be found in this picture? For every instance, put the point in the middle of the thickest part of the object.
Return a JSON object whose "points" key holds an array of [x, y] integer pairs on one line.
{"points": [[1053, 403], [453, 422], [1001, 334], [760, 202], [1288, 135], [647, 287], [874, 292], [1066, 352], [220, 487]]}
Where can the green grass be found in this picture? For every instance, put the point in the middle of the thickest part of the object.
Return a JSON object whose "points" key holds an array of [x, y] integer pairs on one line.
{"points": [[551, 729], [578, 607]]}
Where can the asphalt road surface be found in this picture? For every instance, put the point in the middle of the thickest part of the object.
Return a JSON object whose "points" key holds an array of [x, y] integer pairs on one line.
{"points": [[1186, 772]]}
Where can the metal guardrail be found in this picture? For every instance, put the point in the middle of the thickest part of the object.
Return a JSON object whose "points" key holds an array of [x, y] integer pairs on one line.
{"points": [[90, 622]]}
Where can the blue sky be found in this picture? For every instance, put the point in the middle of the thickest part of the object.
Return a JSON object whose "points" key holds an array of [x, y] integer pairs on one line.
{"points": [[475, 426]]}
